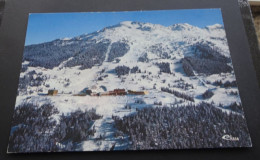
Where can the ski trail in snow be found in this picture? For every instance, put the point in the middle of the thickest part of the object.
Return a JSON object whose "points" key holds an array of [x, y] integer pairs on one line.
{"points": [[107, 52], [200, 79], [104, 137]]}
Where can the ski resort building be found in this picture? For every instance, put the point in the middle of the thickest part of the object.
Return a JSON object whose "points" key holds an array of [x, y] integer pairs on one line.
{"points": [[137, 92], [88, 92], [115, 92], [52, 92]]}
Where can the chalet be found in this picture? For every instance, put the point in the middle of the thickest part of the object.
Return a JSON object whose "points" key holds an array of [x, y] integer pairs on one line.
{"points": [[88, 92], [84, 92], [118, 92], [115, 92], [137, 92], [52, 92]]}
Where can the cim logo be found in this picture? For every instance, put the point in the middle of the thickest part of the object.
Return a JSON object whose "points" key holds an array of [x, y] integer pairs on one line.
{"points": [[230, 138]]}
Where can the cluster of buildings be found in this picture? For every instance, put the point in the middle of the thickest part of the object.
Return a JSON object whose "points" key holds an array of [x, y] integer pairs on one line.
{"points": [[115, 92]]}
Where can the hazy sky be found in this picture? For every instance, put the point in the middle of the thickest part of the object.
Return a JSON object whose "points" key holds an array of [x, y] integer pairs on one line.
{"points": [[43, 27]]}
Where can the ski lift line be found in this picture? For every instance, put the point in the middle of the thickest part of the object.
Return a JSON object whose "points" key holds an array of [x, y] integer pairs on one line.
{"points": [[202, 81], [107, 52]]}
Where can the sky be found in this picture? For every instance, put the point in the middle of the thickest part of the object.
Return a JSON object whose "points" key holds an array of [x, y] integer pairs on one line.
{"points": [[44, 27]]}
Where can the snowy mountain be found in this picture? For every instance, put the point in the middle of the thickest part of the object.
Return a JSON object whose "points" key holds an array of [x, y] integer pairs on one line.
{"points": [[178, 65], [190, 51], [134, 38]]}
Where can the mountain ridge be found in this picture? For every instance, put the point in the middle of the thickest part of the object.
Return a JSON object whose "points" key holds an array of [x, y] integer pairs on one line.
{"points": [[122, 23], [134, 38]]}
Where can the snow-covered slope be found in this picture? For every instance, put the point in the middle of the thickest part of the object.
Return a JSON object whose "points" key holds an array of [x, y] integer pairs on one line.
{"points": [[181, 57]]}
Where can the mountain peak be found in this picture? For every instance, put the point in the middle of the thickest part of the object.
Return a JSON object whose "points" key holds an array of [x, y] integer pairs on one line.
{"points": [[127, 23], [131, 23], [66, 38], [182, 26], [215, 26]]}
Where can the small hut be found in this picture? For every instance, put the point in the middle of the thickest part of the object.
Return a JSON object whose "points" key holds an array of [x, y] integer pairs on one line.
{"points": [[52, 92], [84, 92], [88, 92]]}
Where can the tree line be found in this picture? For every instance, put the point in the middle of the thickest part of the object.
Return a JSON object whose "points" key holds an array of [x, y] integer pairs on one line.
{"points": [[34, 128], [177, 94]]}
